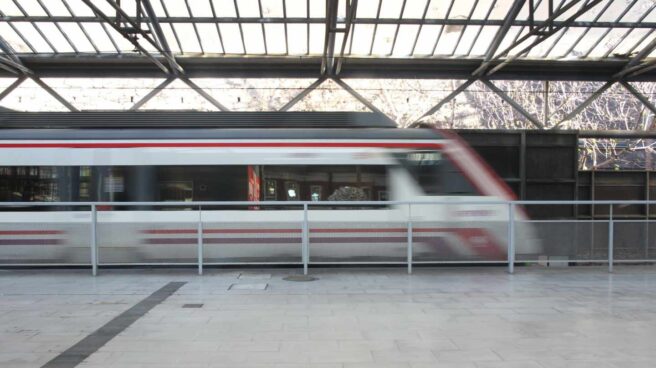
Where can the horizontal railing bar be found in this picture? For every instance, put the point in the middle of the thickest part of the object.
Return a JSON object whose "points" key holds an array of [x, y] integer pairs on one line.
{"points": [[326, 203]]}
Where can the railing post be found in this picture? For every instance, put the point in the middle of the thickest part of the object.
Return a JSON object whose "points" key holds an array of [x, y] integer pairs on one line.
{"points": [[409, 239], [511, 237], [305, 251], [610, 239], [199, 232], [94, 244]]}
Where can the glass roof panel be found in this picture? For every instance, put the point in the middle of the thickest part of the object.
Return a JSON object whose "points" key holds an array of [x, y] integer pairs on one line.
{"points": [[414, 9], [368, 11], [637, 11], [275, 38], [79, 8], [426, 39], [15, 41], [437, 9], [317, 8], [32, 7], [200, 8], [224, 8], [248, 9], [591, 39], [566, 42], [32, 36], [187, 37], [9, 8], [158, 8], [210, 38], [482, 8], [362, 36], [77, 37], [405, 39], [253, 38], [176, 8], [591, 14], [298, 35], [461, 9], [231, 35], [627, 42], [171, 38], [484, 40], [616, 8], [297, 8], [501, 9], [56, 8], [55, 37], [99, 37], [467, 39], [383, 39], [607, 43], [448, 40], [317, 35], [391, 9], [272, 9]]}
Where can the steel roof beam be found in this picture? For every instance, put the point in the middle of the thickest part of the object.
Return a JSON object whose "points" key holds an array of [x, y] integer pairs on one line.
{"points": [[300, 20], [162, 43], [327, 65], [351, 9]]}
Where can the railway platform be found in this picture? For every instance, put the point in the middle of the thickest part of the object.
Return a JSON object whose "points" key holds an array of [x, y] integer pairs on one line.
{"points": [[347, 318]]}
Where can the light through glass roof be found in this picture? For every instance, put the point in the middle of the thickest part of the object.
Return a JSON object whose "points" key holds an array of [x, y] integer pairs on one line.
{"points": [[365, 28]]}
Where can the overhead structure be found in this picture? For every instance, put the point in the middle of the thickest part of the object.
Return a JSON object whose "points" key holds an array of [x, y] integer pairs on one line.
{"points": [[612, 41]]}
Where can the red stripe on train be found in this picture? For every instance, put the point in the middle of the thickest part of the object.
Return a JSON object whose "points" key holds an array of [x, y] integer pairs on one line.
{"points": [[31, 232]]}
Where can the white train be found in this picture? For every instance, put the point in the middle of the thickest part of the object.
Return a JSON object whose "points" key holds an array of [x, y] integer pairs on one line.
{"points": [[318, 164]]}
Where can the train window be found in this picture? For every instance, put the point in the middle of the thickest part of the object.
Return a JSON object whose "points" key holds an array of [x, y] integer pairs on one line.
{"points": [[436, 175], [454, 181], [325, 182], [425, 168]]}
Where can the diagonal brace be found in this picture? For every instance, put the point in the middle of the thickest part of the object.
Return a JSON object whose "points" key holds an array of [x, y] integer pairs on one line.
{"points": [[512, 103]]}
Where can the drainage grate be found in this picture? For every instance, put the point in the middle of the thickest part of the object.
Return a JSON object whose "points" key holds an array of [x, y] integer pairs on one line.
{"points": [[300, 278], [192, 306], [248, 287]]}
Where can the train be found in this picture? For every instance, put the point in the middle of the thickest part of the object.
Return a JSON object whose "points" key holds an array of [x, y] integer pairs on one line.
{"points": [[384, 166]]}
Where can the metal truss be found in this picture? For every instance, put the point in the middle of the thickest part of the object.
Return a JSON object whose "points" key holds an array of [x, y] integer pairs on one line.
{"points": [[631, 67], [12, 62], [537, 33], [174, 70]]}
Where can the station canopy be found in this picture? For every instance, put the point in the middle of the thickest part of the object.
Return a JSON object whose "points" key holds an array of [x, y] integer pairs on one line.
{"points": [[468, 39]]}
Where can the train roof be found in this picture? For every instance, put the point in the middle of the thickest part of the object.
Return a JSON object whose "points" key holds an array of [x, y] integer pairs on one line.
{"points": [[193, 119], [204, 133], [203, 125]]}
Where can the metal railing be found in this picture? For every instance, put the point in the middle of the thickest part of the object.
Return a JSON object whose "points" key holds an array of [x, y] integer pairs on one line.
{"points": [[510, 206]]}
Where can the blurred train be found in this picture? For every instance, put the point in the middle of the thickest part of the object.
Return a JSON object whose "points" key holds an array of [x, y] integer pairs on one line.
{"points": [[286, 163]]}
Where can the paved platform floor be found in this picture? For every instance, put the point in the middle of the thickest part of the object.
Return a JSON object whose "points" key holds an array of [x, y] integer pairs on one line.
{"points": [[438, 317]]}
